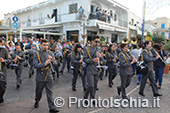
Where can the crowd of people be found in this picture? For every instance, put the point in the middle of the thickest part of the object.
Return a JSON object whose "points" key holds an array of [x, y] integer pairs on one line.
{"points": [[91, 62], [103, 15]]}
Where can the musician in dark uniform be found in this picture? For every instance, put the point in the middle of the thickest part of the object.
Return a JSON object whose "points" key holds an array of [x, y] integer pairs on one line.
{"points": [[91, 58], [18, 58], [57, 55], [67, 52], [111, 58], [148, 59], [41, 62], [4, 58], [126, 71], [76, 60], [31, 52]]}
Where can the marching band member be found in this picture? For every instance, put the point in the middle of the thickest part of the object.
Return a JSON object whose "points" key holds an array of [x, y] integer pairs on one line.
{"points": [[126, 71], [4, 58], [18, 58], [111, 58], [76, 60], [42, 62]]}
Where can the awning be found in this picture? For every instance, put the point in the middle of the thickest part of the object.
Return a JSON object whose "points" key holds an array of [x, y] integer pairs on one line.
{"points": [[106, 27], [38, 32], [120, 30]]}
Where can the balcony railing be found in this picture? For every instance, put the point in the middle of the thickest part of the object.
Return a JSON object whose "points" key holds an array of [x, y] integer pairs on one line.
{"points": [[108, 19], [122, 23], [101, 17]]}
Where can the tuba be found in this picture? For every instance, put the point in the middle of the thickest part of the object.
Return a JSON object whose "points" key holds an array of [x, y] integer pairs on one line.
{"points": [[125, 41], [133, 41]]}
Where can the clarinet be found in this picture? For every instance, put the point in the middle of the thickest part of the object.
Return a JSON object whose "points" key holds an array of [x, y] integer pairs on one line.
{"points": [[52, 69], [98, 63], [158, 54]]}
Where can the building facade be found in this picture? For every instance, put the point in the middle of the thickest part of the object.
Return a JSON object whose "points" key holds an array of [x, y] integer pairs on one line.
{"points": [[60, 19], [163, 26]]}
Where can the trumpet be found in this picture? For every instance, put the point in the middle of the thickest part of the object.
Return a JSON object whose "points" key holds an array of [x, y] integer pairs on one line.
{"points": [[52, 69], [158, 54]]}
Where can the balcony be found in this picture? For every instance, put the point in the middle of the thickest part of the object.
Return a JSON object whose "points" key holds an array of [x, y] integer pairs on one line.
{"points": [[107, 19]]}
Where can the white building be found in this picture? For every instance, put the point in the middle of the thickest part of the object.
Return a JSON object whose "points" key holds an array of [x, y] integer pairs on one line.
{"points": [[36, 21], [135, 26]]}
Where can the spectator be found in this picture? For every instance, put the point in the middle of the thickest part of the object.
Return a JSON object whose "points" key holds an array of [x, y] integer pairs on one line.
{"points": [[81, 12], [11, 48], [31, 42], [52, 44], [10, 40], [20, 44], [135, 53]]}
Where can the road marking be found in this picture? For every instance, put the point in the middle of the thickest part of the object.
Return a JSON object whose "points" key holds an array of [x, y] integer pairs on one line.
{"points": [[121, 98]]}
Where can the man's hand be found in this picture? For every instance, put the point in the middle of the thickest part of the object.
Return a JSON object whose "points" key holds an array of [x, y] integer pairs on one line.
{"points": [[114, 60], [81, 61], [50, 57], [18, 57], [95, 59], [99, 55], [2, 60], [47, 62], [158, 56], [165, 58]]}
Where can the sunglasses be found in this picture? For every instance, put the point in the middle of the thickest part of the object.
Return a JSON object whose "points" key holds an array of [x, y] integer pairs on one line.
{"points": [[97, 41]]}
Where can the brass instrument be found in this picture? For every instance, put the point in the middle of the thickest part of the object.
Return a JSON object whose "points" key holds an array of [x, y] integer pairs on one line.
{"points": [[124, 41], [134, 41]]}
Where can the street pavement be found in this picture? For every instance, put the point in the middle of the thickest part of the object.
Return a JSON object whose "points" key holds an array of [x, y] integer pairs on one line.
{"points": [[22, 100]]}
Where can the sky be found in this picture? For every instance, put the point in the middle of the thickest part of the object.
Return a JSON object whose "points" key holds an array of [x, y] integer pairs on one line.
{"points": [[135, 6]]}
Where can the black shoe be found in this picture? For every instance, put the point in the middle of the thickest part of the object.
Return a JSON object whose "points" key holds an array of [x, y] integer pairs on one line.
{"points": [[84, 89], [157, 95], [61, 72], [86, 102], [74, 89], [30, 75], [18, 86], [97, 89], [141, 94], [1, 102], [101, 79], [110, 86], [118, 91], [53, 111], [20, 82], [36, 104]]}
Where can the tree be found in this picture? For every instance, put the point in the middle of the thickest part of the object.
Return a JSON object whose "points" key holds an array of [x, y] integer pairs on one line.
{"points": [[158, 38]]}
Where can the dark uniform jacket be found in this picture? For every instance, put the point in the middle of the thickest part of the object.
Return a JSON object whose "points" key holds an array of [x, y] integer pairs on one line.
{"points": [[125, 67], [5, 55], [43, 72], [109, 58]]}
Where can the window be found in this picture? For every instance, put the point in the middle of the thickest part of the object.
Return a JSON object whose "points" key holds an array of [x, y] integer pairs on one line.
{"points": [[169, 26], [72, 8], [132, 21], [115, 17], [162, 25], [169, 36], [163, 34]]}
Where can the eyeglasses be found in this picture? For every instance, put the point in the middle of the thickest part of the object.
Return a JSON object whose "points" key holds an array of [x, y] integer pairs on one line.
{"points": [[97, 41], [45, 44]]}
